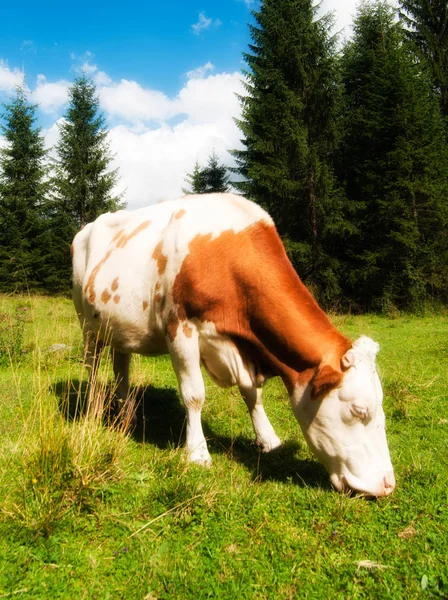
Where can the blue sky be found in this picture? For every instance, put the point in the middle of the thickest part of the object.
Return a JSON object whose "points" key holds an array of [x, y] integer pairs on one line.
{"points": [[152, 42], [166, 76]]}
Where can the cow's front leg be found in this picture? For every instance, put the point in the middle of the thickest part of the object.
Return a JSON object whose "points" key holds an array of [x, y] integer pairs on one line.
{"points": [[184, 351], [265, 434]]}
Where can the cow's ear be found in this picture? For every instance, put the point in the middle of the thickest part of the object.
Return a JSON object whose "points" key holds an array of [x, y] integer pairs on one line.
{"points": [[348, 360], [325, 379]]}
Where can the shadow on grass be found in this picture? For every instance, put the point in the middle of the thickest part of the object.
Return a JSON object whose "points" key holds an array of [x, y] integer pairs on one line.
{"points": [[281, 464], [160, 416], [161, 421]]}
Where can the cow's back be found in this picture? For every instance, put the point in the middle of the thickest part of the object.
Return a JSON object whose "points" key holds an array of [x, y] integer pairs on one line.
{"points": [[125, 264]]}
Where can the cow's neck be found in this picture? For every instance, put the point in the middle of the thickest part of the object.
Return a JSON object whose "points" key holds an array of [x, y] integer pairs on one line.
{"points": [[292, 331]]}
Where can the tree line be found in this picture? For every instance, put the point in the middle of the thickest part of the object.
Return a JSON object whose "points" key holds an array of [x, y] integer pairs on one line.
{"points": [[348, 149], [345, 147], [44, 201]]}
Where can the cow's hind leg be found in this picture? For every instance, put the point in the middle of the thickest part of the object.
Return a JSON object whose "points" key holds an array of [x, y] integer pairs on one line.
{"points": [[184, 351], [265, 434], [121, 364]]}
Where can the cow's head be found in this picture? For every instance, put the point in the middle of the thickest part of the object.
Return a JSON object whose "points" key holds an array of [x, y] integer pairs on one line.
{"points": [[342, 418]]}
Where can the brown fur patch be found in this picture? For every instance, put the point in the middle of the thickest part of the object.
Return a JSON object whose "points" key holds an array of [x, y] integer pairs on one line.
{"points": [[105, 296], [325, 379], [158, 297], [124, 239], [188, 332], [251, 292], [195, 404], [89, 288], [160, 258], [116, 298], [145, 304], [158, 286], [180, 213], [117, 236], [114, 286], [172, 324]]}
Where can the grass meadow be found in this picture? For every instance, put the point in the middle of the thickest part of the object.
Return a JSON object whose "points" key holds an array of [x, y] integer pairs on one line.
{"points": [[88, 511]]}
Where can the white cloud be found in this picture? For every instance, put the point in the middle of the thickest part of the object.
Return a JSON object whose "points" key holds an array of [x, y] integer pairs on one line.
{"points": [[85, 67], [344, 12], [50, 96], [153, 162], [100, 78], [204, 23], [9, 78], [211, 99], [88, 68], [83, 57], [200, 71], [51, 135], [130, 101]]}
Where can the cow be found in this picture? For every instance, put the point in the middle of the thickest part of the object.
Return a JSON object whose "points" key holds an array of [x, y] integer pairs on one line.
{"points": [[206, 279]]}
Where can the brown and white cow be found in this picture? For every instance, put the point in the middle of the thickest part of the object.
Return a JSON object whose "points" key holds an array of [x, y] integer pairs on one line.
{"points": [[207, 280]]}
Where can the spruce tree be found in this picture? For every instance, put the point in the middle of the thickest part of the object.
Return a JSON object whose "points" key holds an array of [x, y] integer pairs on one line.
{"points": [[196, 181], [289, 128], [213, 178], [22, 195], [394, 165], [216, 175], [428, 30], [83, 182]]}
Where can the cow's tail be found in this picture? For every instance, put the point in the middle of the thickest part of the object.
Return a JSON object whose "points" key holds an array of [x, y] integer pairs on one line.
{"points": [[79, 250]]}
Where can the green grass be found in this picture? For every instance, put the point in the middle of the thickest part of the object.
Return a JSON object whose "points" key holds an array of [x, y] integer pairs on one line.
{"points": [[88, 512]]}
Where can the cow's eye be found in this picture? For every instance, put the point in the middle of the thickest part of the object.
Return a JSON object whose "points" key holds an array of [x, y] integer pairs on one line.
{"points": [[362, 412]]}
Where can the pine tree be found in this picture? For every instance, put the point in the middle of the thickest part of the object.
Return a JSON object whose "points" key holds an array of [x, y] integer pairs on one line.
{"points": [[84, 182], [196, 181], [22, 195], [428, 29], [213, 178], [216, 175], [394, 164], [289, 127]]}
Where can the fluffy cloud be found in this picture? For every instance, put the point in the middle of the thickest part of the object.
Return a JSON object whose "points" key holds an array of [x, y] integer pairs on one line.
{"points": [[9, 78], [50, 96], [211, 99], [200, 71], [153, 162], [51, 136], [130, 101]]}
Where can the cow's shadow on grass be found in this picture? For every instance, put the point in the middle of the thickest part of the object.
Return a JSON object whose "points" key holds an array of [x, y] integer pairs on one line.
{"points": [[161, 421], [281, 464]]}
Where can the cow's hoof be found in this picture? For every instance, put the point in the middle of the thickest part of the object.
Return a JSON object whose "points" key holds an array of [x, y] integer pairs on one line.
{"points": [[200, 456], [269, 445]]}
